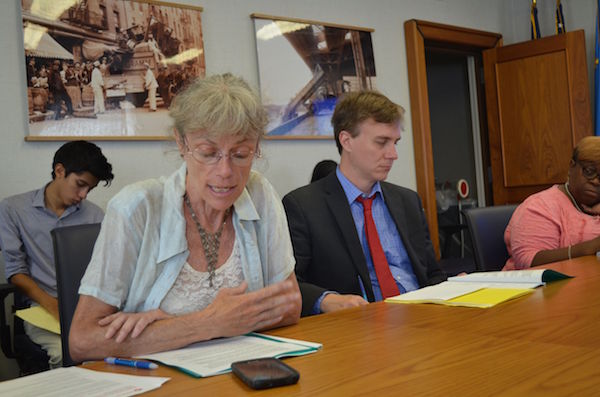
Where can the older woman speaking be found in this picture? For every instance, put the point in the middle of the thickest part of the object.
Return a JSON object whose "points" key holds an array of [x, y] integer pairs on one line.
{"points": [[204, 253], [561, 222]]}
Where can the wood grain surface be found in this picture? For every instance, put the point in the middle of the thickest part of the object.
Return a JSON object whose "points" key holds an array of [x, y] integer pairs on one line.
{"points": [[545, 343]]}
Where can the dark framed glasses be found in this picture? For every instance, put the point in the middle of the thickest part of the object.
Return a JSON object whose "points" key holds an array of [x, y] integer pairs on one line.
{"points": [[589, 172]]}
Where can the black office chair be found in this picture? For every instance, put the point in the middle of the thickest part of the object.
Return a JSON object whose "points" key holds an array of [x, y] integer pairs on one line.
{"points": [[487, 225], [73, 246], [15, 343]]}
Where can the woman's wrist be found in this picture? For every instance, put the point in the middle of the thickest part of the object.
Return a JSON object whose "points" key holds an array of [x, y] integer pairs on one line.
{"points": [[583, 249]]}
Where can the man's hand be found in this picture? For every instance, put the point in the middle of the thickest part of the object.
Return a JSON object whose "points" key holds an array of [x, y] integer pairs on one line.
{"points": [[30, 288], [333, 302]]}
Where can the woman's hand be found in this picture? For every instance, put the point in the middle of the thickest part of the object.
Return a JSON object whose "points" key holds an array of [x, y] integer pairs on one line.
{"points": [[234, 312], [123, 324], [594, 210]]}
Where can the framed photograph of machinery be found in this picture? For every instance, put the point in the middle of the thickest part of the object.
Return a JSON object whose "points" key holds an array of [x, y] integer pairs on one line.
{"points": [[107, 69], [304, 66]]}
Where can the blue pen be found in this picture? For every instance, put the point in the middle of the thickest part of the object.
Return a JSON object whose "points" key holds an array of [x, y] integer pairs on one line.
{"points": [[130, 363]]}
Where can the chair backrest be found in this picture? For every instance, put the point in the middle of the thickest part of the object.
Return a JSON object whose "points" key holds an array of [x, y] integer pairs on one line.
{"points": [[6, 343], [73, 246], [487, 225]]}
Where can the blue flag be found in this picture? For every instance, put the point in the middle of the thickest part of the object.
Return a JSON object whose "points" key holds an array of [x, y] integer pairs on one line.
{"points": [[559, 18], [597, 81]]}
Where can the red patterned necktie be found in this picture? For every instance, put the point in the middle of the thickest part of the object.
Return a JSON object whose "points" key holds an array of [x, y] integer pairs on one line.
{"points": [[382, 269]]}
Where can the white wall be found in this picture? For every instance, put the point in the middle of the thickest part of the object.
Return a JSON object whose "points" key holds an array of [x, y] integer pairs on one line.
{"points": [[230, 47]]}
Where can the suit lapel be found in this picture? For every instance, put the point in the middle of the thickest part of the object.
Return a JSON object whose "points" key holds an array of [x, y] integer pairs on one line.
{"points": [[338, 205]]}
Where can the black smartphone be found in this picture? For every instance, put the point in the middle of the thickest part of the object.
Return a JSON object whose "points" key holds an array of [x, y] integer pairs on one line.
{"points": [[262, 373]]}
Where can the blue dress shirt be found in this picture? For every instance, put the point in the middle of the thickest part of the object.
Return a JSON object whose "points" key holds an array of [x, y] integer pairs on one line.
{"points": [[25, 225], [392, 244]]}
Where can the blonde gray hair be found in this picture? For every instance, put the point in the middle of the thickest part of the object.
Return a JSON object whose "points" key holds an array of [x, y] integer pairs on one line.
{"points": [[219, 105]]}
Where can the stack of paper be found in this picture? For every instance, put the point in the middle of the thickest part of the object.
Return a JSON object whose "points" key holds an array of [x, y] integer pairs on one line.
{"points": [[75, 381], [215, 357], [485, 289]]}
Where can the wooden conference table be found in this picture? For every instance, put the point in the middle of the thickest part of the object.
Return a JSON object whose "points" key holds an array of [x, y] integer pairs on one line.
{"points": [[545, 343]]}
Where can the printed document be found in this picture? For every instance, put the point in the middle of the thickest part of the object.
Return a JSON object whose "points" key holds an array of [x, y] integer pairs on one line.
{"points": [[75, 381], [214, 357], [483, 289], [531, 276]]}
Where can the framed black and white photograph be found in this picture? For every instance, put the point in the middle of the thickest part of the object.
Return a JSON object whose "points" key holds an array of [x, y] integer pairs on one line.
{"points": [[304, 66], [107, 69]]}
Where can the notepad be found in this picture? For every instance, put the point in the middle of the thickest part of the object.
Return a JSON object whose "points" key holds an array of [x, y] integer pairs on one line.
{"points": [[484, 289], [39, 317], [214, 357]]}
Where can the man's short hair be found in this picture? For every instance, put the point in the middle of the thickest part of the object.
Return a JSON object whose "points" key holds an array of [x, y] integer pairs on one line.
{"points": [[82, 156], [355, 107]]}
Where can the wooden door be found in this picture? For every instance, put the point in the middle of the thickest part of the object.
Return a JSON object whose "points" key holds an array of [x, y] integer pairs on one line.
{"points": [[419, 36], [538, 108]]}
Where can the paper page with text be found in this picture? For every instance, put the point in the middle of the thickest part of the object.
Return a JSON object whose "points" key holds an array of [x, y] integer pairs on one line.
{"points": [[470, 294], [538, 276], [439, 292], [214, 357], [76, 381]]}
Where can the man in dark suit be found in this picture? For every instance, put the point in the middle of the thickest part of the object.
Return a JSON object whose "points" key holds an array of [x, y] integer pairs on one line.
{"points": [[356, 238], [59, 92]]}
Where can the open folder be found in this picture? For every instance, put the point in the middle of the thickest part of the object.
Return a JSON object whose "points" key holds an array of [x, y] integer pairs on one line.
{"points": [[39, 317], [214, 357], [484, 289]]}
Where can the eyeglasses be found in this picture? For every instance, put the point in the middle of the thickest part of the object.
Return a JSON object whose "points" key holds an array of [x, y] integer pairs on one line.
{"points": [[240, 158], [588, 172]]}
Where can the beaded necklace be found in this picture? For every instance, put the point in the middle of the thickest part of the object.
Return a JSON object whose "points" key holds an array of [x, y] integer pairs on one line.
{"points": [[210, 241], [572, 198]]}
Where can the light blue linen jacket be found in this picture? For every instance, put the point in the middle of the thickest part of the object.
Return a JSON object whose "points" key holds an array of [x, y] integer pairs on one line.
{"points": [[142, 247]]}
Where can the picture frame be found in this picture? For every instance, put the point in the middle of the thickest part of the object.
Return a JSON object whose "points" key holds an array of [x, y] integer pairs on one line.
{"points": [[304, 66], [107, 70]]}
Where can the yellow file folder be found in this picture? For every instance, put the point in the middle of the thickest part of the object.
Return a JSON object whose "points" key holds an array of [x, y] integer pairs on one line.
{"points": [[40, 317]]}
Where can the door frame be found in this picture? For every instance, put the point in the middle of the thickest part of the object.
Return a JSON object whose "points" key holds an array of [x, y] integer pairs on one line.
{"points": [[419, 35]]}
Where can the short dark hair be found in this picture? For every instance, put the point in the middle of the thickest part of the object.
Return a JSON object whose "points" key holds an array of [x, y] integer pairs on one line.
{"points": [[355, 107], [587, 149], [322, 169], [82, 156]]}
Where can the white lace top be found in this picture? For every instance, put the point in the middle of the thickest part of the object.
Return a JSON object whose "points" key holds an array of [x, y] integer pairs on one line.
{"points": [[192, 291]]}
